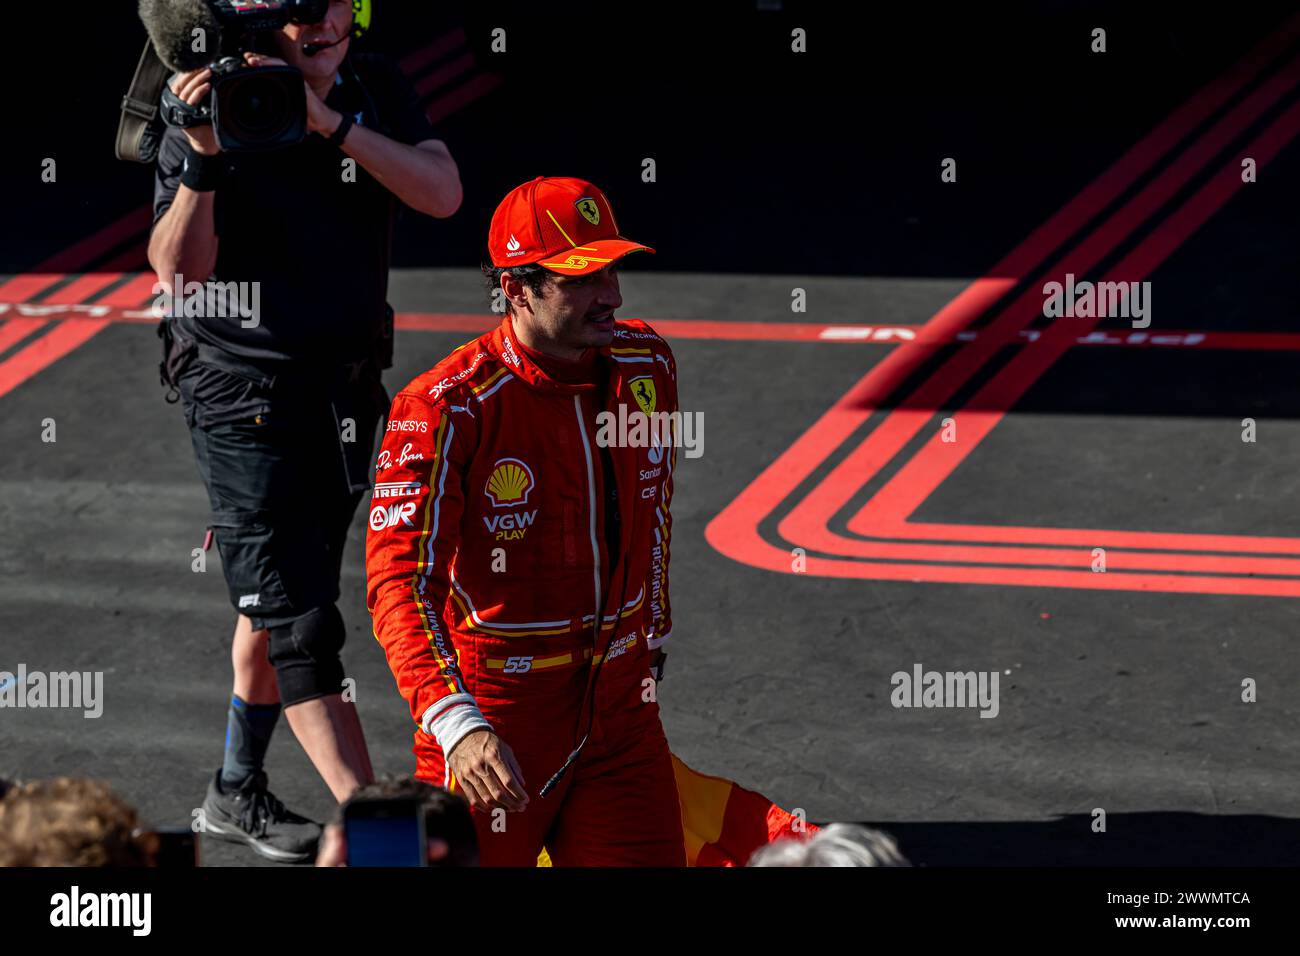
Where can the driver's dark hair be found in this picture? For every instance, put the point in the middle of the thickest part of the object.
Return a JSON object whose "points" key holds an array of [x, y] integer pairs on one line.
{"points": [[532, 275]]}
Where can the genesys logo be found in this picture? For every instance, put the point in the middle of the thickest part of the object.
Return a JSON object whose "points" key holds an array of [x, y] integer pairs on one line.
{"points": [[389, 516], [509, 484], [409, 425], [397, 489]]}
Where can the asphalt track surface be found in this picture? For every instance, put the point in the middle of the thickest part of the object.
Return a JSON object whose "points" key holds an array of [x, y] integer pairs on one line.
{"points": [[823, 431]]}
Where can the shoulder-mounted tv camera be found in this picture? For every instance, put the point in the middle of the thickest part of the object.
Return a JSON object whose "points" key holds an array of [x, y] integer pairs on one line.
{"points": [[249, 107]]}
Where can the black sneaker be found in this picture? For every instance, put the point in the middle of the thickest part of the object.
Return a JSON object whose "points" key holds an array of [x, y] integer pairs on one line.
{"points": [[251, 814]]}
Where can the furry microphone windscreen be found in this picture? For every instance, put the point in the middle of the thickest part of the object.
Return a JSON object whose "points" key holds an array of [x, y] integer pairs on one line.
{"points": [[171, 25]]}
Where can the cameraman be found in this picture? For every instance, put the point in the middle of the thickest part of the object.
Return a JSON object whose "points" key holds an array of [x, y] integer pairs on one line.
{"points": [[283, 407]]}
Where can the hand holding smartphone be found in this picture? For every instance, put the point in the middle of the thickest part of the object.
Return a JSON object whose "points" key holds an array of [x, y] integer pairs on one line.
{"points": [[386, 831]]}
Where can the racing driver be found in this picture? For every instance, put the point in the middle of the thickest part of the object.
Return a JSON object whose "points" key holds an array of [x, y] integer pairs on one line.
{"points": [[518, 552]]}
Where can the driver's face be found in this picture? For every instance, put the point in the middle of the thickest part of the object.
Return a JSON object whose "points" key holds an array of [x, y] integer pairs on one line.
{"points": [[578, 311], [337, 23]]}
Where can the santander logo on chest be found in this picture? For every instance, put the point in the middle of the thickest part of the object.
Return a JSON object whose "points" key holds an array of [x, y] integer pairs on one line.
{"points": [[508, 488]]}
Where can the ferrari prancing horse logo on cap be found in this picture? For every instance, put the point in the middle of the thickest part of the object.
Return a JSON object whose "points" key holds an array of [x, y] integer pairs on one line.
{"points": [[590, 211]]}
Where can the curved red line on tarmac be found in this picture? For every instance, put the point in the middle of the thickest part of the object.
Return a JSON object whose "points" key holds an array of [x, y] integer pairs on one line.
{"points": [[809, 521], [918, 478], [735, 533], [1038, 578], [936, 460]]}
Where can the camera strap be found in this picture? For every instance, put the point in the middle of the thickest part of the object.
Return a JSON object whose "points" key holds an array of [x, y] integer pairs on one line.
{"points": [[140, 130], [176, 112]]}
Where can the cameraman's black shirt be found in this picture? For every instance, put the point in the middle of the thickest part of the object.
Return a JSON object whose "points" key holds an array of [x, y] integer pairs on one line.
{"points": [[318, 246]]}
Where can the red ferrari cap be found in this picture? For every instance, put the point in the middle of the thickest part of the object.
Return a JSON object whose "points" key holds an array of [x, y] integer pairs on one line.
{"points": [[560, 223]]}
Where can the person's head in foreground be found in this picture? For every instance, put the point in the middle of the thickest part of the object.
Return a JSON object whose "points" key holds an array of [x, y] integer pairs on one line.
{"points": [[553, 250], [840, 844], [445, 814], [71, 822]]}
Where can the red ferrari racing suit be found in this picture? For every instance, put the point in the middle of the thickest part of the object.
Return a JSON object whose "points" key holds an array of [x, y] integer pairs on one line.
{"points": [[488, 565]]}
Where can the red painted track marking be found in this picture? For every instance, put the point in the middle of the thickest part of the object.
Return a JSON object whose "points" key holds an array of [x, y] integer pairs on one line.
{"points": [[413, 63], [91, 284], [689, 329], [15, 330], [445, 74], [27, 285], [713, 330], [905, 492], [462, 96], [808, 522], [735, 531], [82, 289], [693, 329], [128, 303], [50, 347], [137, 292], [1007, 387], [736, 526]]}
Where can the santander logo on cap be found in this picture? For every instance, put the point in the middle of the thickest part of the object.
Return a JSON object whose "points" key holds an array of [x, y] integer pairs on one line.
{"points": [[512, 246]]}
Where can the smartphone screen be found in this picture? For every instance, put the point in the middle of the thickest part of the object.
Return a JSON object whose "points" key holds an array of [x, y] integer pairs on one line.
{"points": [[386, 833]]}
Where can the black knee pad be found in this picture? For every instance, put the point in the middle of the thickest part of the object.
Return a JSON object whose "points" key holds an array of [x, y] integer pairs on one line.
{"points": [[305, 654]]}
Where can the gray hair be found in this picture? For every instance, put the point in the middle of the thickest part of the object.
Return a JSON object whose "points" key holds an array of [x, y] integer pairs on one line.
{"points": [[840, 844]]}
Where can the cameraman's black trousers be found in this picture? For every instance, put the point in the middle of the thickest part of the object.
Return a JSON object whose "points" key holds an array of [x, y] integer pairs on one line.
{"points": [[286, 456]]}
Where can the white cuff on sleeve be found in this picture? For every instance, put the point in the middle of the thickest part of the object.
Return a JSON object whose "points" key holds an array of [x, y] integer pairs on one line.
{"points": [[657, 641], [451, 718]]}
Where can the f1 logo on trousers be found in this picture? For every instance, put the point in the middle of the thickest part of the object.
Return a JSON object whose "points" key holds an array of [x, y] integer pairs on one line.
{"points": [[386, 516]]}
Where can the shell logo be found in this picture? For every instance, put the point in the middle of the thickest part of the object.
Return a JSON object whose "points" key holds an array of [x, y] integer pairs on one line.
{"points": [[509, 484]]}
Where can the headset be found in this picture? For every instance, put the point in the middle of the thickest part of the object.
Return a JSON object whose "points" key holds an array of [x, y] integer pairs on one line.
{"points": [[360, 24], [140, 128]]}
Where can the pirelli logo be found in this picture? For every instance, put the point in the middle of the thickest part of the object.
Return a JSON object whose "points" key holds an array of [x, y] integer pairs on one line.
{"points": [[397, 489]]}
